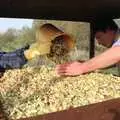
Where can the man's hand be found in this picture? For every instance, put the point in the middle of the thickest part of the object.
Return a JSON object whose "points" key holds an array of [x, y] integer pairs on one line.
{"points": [[71, 69]]}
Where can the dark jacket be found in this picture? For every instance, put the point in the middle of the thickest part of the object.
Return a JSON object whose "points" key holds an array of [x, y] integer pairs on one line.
{"points": [[11, 60]]}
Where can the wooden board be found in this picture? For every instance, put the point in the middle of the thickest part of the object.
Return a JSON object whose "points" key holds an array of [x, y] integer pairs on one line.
{"points": [[108, 110], [75, 10]]}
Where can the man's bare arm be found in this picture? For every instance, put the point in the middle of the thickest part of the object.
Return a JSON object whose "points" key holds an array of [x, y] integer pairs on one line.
{"points": [[109, 57]]}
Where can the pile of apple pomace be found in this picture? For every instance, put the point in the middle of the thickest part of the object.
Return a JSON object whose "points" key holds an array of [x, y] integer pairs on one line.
{"points": [[36, 91]]}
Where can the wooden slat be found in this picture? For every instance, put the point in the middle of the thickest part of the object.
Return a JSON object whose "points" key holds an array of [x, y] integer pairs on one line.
{"points": [[92, 41], [75, 10], [108, 110]]}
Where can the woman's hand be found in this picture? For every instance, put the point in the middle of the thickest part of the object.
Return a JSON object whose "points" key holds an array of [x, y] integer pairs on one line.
{"points": [[71, 69]]}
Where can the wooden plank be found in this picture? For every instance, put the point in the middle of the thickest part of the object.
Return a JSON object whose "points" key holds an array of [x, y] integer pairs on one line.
{"points": [[92, 41], [75, 10], [107, 110]]}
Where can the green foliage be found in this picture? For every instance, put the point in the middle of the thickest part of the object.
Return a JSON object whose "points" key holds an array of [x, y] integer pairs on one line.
{"points": [[13, 39], [26, 36]]}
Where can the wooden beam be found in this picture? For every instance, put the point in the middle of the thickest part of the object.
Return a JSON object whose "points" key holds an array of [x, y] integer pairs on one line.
{"points": [[107, 110], [92, 41]]}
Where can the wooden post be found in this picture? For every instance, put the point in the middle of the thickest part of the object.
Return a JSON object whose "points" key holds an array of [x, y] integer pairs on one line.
{"points": [[118, 67], [92, 41]]}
